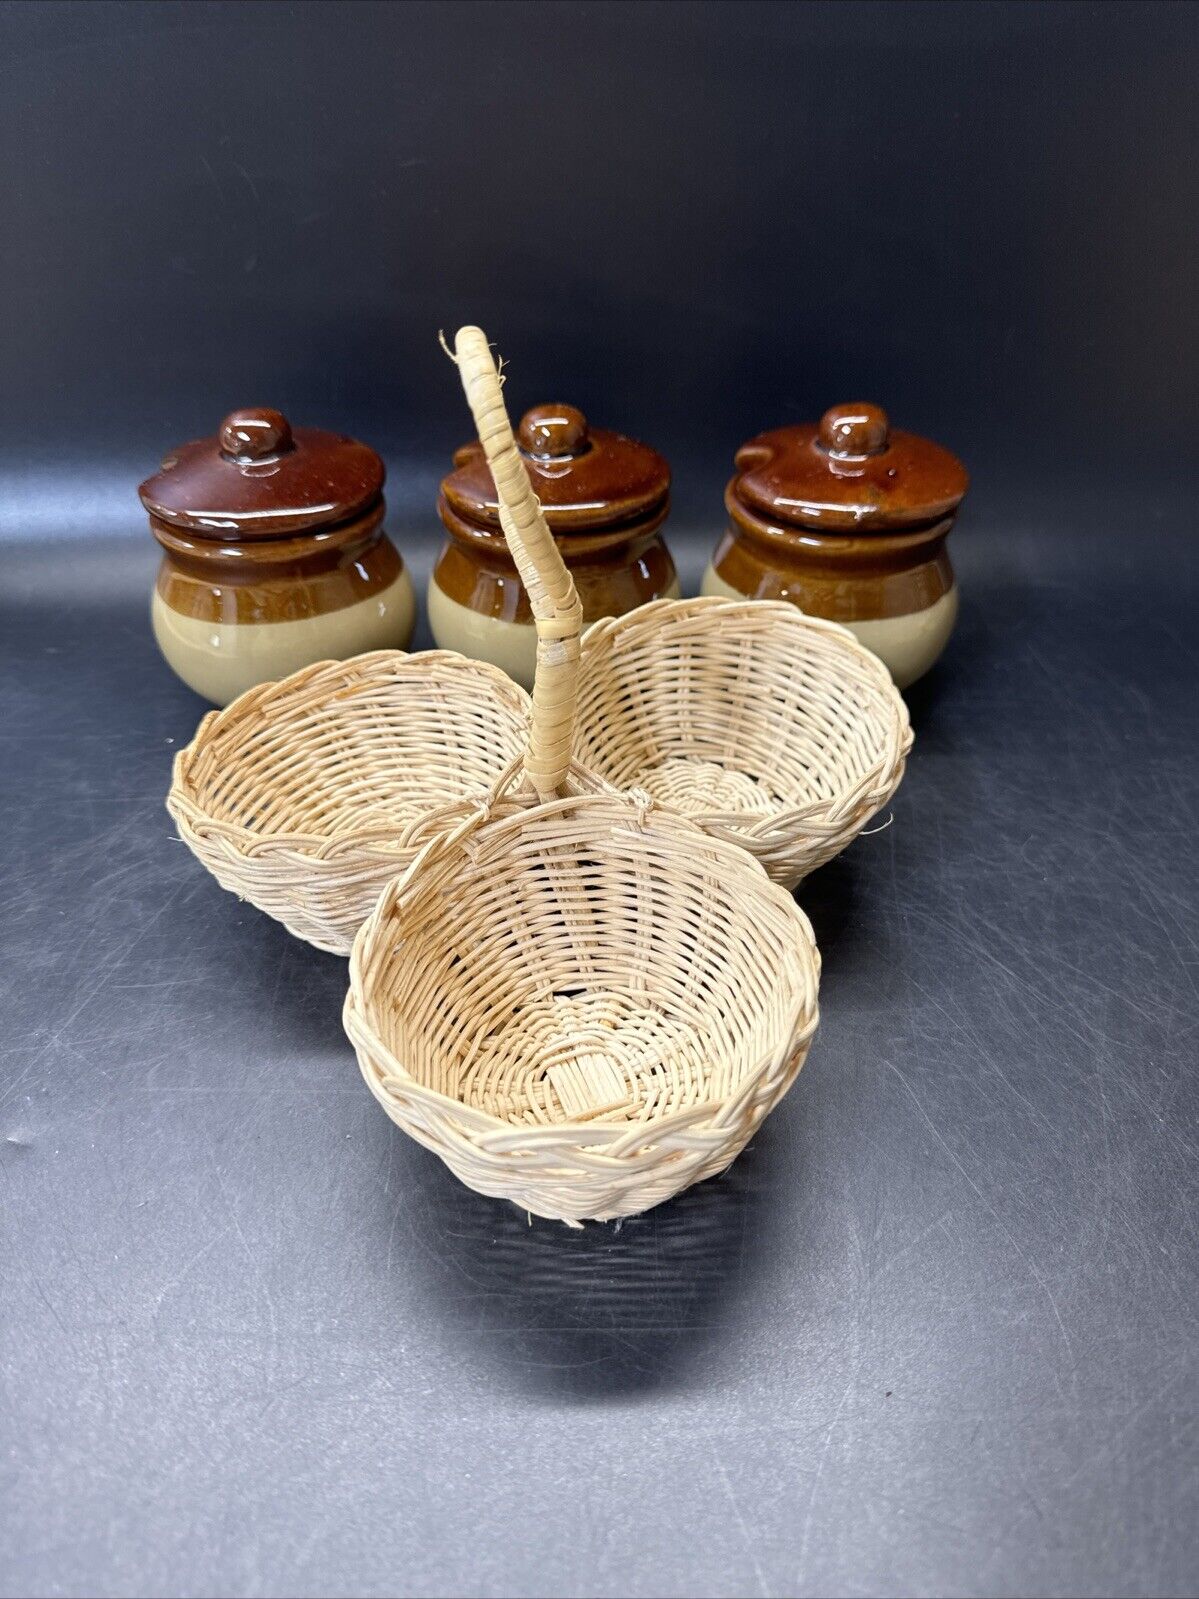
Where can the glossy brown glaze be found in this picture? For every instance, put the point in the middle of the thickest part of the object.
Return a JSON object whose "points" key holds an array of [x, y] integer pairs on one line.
{"points": [[264, 523], [551, 432], [605, 497], [614, 577], [584, 477], [842, 578], [849, 472], [279, 580], [259, 478], [847, 518]]}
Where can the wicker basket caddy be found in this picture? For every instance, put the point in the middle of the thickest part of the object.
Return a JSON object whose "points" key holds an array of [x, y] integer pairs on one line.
{"points": [[305, 796], [769, 729], [575, 997]]}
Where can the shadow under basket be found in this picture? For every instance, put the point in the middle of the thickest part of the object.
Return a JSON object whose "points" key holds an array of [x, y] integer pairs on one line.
{"points": [[770, 729], [306, 795], [583, 1006]]}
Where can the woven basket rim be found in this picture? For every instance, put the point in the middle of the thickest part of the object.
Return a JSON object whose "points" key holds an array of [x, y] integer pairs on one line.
{"points": [[794, 1024], [574, 1134], [757, 610], [377, 845], [381, 841]]}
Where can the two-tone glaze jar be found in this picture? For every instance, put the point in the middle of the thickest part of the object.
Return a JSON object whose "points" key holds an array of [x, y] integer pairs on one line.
{"points": [[848, 519], [274, 555], [605, 498]]}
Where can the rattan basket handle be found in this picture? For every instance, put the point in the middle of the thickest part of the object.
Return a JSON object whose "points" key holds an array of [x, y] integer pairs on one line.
{"points": [[557, 611]]}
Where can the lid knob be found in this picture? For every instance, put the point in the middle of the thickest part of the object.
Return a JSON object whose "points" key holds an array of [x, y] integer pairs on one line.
{"points": [[854, 429], [553, 430], [254, 434]]}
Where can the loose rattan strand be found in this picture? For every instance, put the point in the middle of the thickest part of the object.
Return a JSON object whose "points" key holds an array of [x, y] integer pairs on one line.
{"points": [[771, 729], [581, 1002]]}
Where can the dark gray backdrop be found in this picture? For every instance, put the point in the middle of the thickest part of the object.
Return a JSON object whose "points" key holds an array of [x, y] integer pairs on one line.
{"points": [[696, 220], [935, 1332]]}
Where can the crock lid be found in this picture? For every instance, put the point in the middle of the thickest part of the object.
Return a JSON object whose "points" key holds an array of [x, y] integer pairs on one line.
{"points": [[849, 471], [258, 479], [585, 478]]}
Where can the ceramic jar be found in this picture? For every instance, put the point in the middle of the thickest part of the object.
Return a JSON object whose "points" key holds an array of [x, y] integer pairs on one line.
{"points": [[274, 555], [605, 498], [848, 519]]}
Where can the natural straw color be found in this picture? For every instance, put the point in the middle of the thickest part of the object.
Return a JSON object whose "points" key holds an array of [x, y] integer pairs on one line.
{"points": [[584, 1004], [770, 729], [557, 611], [305, 796]]}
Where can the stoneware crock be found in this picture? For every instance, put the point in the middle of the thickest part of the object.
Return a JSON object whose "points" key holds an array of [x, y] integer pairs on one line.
{"points": [[605, 498], [848, 519], [274, 555]]}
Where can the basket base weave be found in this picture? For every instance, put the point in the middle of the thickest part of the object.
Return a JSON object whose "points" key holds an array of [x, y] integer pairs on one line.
{"points": [[697, 788], [602, 1057]]}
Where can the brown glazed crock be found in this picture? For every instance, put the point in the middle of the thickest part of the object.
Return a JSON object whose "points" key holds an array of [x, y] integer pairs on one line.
{"points": [[848, 519], [605, 499], [274, 554]]}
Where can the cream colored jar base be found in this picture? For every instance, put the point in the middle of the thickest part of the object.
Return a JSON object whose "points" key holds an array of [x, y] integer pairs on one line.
{"points": [[220, 660], [512, 646], [906, 645]]}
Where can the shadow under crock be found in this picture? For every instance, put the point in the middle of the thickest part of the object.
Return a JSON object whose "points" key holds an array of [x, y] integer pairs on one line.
{"points": [[921, 698], [967, 656], [924, 695], [609, 1311]]}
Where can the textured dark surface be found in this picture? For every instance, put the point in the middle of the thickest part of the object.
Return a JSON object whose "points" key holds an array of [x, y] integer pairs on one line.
{"points": [[934, 1332]]}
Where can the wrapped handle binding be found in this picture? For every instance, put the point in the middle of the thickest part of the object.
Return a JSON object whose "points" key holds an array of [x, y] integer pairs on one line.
{"points": [[557, 611]]}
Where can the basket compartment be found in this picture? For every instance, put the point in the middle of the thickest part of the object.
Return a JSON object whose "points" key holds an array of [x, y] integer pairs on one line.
{"points": [[306, 795], [584, 1007], [768, 728]]}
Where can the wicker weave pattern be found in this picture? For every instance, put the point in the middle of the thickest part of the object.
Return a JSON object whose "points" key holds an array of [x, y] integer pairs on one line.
{"points": [[307, 795], [583, 1006], [770, 729]]}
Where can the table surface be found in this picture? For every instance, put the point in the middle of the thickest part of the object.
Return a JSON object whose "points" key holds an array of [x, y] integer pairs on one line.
{"points": [[933, 1333]]}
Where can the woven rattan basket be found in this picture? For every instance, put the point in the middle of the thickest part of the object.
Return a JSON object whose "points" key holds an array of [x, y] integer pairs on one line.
{"points": [[769, 729], [305, 796], [575, 997]]}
